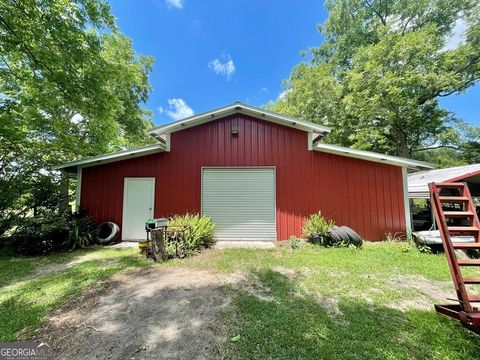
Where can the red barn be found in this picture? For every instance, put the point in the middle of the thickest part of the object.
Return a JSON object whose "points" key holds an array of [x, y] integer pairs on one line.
{"points": [[257, 174]]}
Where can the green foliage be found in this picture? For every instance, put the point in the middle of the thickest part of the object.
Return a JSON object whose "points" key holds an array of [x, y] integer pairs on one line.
{"points": [[198, 234], [41, 235], [82, 231], [379, 73], [316, 228], [52, 232], [70, 86], [294, 242], [33, 195]]}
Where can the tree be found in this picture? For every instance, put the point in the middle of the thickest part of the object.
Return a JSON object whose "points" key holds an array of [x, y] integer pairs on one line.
{"points": [[380, 71], [70, 85]]}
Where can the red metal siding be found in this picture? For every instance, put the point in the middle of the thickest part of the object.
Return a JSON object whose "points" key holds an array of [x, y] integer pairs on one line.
{"points": [[364, 195]]}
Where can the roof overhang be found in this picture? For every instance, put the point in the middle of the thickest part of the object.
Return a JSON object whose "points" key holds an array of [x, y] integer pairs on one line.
{"points": [[412, 165], [239, 108], [418, 182], [111, 157]]}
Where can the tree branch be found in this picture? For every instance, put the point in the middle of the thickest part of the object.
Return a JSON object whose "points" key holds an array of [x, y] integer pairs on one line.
{"points": [[382, 19]]}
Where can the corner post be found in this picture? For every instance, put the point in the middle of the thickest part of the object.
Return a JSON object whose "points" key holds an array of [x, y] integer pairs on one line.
{"points": [[310, 141], [406, 203], [78, 189]]}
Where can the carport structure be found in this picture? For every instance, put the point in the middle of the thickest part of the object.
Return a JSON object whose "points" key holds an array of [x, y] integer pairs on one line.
{"points": [[418, 191]]}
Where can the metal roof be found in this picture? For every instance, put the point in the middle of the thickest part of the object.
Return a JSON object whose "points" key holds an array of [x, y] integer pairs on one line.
{"points": [[418, 182], [236, 108], [111, 157], [162, 131], [372, 156]]}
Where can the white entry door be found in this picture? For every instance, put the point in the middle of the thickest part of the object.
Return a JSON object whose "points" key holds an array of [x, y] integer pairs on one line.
{"points": [[138, 202], [241, 203]]}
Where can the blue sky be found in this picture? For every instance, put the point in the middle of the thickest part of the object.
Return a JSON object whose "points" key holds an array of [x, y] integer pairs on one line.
{"points": [[212, 53]]}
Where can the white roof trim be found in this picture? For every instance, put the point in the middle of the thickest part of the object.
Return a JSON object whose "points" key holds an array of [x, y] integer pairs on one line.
{"points": [[111, 157], [243, 109], [372, 156]]}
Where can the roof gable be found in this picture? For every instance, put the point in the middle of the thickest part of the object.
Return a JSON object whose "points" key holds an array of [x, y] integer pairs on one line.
{"points": [[314, 131], [239, 108]]}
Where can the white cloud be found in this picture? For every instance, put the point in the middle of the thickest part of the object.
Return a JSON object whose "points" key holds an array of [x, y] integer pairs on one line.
{"points": [[160, 109], [177, 109], [175, 3], [264, 89], [226, 68], [457, 36]]}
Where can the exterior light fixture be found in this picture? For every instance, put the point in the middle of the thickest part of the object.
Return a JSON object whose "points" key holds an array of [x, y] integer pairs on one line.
{"points": [[234, 130]]}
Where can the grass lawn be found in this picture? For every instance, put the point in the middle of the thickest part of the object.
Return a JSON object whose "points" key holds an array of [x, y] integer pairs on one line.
{"points": [[341, 303], [26, 298], [372, 303]]}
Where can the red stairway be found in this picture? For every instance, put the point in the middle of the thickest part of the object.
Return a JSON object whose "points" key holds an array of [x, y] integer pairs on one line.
{"points": [[453, 201]]}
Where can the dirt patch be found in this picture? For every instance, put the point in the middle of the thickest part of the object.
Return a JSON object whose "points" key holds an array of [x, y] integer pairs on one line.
{"points": [[148, 314], [288, 273], [431, 291], [52, 268], [251, 284], [330, 305]]}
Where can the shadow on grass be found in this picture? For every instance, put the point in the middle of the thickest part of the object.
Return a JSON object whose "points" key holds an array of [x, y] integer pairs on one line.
{"points": [[295, 325], [24, 305]]}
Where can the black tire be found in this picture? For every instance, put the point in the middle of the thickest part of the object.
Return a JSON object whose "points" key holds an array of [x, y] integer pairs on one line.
{"points": [[107, 232], [343, 235], [335, 237], [354, 237]]}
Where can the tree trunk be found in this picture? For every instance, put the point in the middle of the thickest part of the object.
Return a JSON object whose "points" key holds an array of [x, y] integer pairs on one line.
{"points": [[158, 244], [401, 146]]}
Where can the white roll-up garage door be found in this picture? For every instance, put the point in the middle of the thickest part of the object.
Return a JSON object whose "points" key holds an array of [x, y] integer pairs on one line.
{"points": [[241, 202]]}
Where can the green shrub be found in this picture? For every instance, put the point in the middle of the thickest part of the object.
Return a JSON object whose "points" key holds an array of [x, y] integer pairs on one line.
{"points": [[82, 231], [316, 228], [40, 235], [198, 233], [294, 242], [52, 232]]}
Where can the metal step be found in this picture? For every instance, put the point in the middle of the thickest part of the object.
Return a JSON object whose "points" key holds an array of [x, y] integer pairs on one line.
{"points": [[466, 246], [454, 199], [468, 262], [472, 280], [458, 214], [450, 185], [462, 230]]}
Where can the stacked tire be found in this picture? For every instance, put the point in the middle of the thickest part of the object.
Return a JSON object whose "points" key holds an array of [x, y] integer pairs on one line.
{"points": [[344, 235]]}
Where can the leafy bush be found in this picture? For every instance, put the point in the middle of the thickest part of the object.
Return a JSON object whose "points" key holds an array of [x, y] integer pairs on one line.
{"points": [[294, 242], [52, 232], [40, 235], [82, 231], [316, 228], [198, 234]]}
